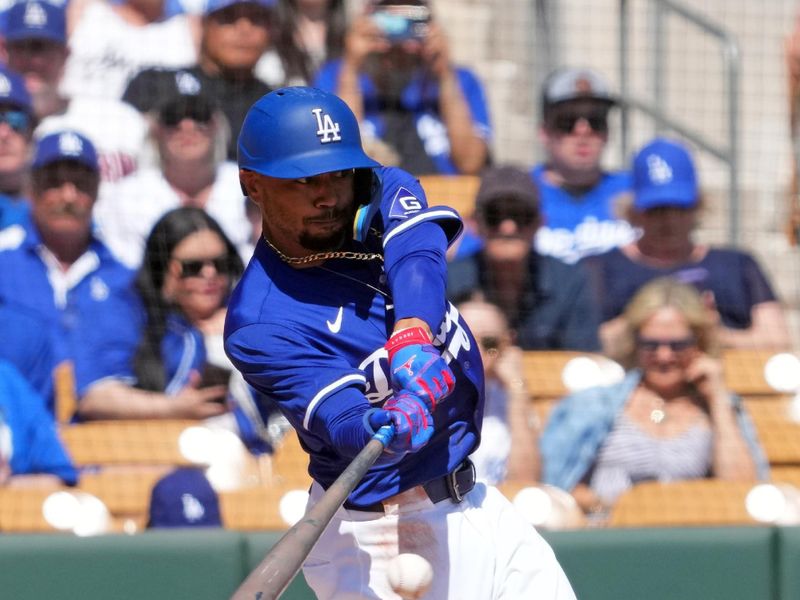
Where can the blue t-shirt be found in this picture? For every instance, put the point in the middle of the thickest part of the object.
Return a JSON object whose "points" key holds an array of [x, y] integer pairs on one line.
{"points": [[578, 226], [312, 340], [734, 277], [28, 436], [421, 99], [96, 318]]}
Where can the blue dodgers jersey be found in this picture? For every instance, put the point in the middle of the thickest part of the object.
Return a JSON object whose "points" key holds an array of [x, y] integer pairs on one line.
{"points": [[96, 322], [303, 337], [578, 226]]}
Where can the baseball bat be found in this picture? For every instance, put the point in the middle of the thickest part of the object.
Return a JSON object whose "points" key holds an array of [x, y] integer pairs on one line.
{"points": [[277, 569]]}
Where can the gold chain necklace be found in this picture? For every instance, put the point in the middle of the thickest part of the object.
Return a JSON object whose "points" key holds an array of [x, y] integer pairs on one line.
{"points": [[304, 260]]}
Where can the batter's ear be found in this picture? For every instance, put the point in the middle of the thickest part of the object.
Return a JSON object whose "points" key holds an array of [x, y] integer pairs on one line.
{"points": [[246, 180], [362, 186]]}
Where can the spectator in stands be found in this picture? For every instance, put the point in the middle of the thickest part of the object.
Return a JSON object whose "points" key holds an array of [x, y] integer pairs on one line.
{"points": [[16, 127], [188, 272], [37, 48], [578, 197], [397, 76], [547, 302], [666, 203], [53, 265], [308, 33], [58, 269], [235, 34], [509, 441], [31, 453], [671, 418], [189, 137], [109, 42]]}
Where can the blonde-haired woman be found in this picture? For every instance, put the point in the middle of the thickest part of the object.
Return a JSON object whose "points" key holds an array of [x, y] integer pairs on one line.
{"points": [[671, 417]]}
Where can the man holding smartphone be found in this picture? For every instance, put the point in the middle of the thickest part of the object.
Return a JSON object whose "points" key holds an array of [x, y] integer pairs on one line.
{"points": [[397, 76]]}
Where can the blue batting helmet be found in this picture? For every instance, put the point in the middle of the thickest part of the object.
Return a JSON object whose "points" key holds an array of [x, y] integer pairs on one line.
{"points": [[300, 132]]}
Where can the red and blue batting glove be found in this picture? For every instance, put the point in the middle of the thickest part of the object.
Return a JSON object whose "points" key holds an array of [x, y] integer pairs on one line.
{"points": [[412, 422], [415, 365]]}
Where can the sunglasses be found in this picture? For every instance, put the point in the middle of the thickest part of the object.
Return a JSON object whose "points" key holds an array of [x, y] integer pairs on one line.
{"points": [[257, 15], [489, 342], [565, 123], [192, 267], [653, 344], [16, 119], [57, 174], [200, 114], [502, 209]]}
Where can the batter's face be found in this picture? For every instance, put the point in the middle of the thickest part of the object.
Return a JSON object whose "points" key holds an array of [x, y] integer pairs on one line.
{"points": [[306, 215]]}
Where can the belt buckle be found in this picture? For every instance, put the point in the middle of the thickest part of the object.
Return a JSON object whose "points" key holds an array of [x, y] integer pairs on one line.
{"points": [[452, 481]]}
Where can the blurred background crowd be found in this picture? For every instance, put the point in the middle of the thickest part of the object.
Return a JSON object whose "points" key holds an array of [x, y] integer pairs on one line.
{"points": [[628, 177]]}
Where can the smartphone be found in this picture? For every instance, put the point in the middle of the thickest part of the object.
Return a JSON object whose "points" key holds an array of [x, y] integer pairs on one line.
{"points": [[215, 375], [403, 22]]}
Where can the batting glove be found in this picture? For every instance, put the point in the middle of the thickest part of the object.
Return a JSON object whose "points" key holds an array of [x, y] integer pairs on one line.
{"points": [[415, 365], [412, 422]]}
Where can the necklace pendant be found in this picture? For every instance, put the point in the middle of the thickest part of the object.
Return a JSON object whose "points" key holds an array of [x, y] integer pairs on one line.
{"points": [[657, 415]]}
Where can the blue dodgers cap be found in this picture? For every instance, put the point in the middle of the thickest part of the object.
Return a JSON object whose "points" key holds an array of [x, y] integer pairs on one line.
{"points": [[36, 20], [65, 145], [13, 90], [215, 5], [300, 132], [184, 498], [664, 175]]}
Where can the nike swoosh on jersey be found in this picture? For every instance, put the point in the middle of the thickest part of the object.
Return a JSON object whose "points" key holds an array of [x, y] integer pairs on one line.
{"points": [[337, 324]]}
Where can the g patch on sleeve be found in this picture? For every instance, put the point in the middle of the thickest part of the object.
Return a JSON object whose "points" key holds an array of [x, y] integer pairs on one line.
{"points": [[404, 203]]}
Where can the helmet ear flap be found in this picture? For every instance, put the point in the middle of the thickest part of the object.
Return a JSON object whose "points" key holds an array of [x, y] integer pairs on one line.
{"points": [[362, 186]]}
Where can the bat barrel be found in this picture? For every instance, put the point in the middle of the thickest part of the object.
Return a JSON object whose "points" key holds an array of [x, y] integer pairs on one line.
{"points": [[279, 567]]}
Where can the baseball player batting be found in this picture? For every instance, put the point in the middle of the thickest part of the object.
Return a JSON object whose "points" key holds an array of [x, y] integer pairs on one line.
{"points": [[341, 319]]}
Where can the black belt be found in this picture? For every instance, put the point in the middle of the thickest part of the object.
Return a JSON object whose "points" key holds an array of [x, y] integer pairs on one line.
{"points": [[454, 486]]}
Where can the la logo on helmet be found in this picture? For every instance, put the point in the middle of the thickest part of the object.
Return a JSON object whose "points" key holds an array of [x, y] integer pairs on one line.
{"points": [[327, 130]]}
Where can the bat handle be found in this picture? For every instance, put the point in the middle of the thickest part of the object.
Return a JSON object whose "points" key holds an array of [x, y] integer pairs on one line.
{"points": [[276, 571]]}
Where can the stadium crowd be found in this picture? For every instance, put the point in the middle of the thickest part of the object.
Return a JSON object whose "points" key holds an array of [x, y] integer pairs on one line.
{"points": [[125, 228]]}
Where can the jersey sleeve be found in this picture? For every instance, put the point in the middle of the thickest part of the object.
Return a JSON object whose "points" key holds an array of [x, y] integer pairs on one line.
{"points": [[293, 371]]}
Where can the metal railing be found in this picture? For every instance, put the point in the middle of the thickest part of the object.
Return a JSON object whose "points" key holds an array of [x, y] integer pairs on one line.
{"points": [[727, 152]]}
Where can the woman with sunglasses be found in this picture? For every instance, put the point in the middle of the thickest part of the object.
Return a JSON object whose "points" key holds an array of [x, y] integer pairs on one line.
{"points": [[188, 271], [509, 448], [671, 418]]}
